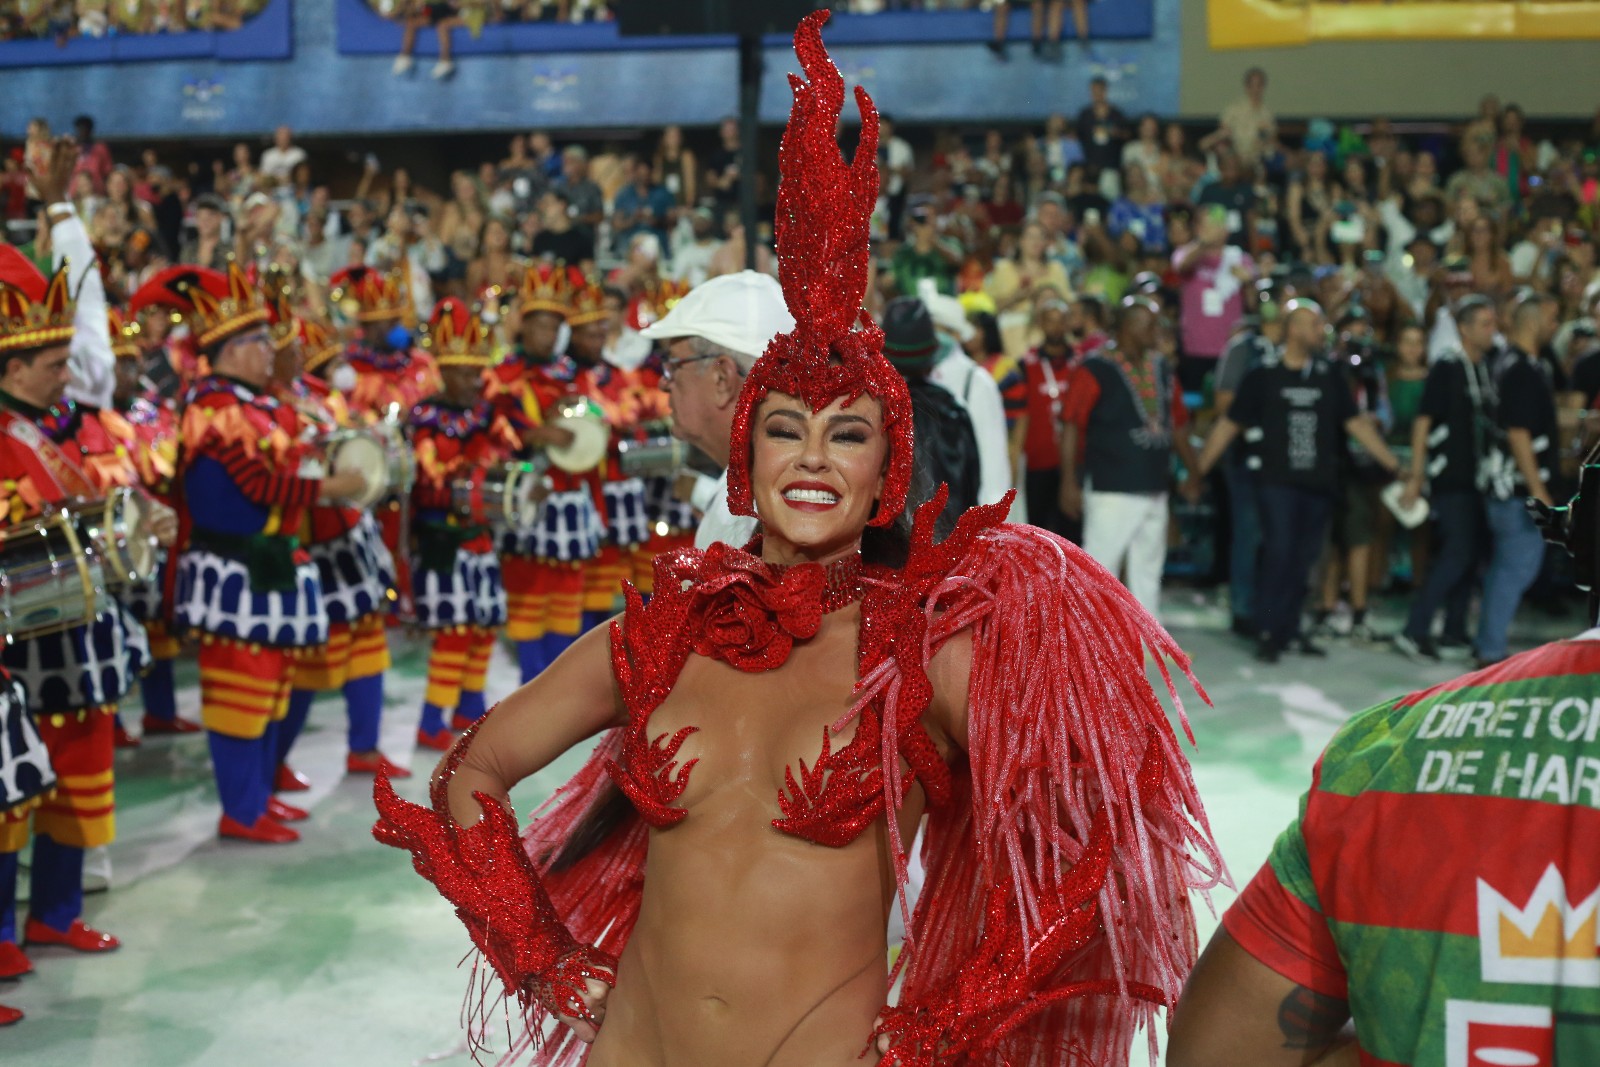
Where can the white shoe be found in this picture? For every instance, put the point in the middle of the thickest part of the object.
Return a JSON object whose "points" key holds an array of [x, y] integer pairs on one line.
{"points": [[402, 65], [442, 70]]}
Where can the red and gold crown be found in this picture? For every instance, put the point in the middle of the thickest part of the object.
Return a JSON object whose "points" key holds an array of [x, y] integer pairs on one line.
{"points": [[548, 287], [319, 343], [835, 351], [588, 302], [217, 306], [35, 311], [277, 292], [653, 304], [456, 337], [125, 333], [368, 294]]}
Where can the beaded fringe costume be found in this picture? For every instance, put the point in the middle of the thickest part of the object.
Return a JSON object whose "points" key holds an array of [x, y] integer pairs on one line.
{"points": [[1055, 917]]}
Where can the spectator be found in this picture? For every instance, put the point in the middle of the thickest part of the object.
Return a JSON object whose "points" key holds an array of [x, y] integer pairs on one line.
{"points": [[1487, 259], [1521, 465], [420, 14], [1018, 285], [1181, 169], [1309, 210], [995, 160], [324, 253], [1247, 125], [584, 198], [408, 239], [925, 254], [119, 213], [1513, 158], [974, 389], [1144, 151], [1004, 210], [496, 265], [895, 161], [1214, 280], [1295, 415], [694, 246], [641, 206], [722, 168], [524, 178], [1477, 179], [1138, 220], [1060, 147], [558, 238], [279, 161], [1234, 191], [209, 246], [675, 168], [1102, 131], [94, 158], [462, 218], [1125, 417]]}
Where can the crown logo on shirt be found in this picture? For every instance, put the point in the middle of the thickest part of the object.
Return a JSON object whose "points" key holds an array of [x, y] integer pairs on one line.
{"points": [[1549, 940]]}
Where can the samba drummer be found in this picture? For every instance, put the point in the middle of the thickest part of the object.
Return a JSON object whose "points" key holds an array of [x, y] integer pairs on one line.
{"points": [[53, 453], [460, 445], [353, 564], [149, 425], [243, 581], [543, 565], [391, 375]]}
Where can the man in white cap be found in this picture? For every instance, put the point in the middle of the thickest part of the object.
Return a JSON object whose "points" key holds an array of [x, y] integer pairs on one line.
{"points": [[713, 336], [975, 390]]}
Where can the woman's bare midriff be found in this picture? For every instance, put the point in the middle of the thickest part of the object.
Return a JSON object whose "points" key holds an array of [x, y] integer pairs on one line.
{"points": [[755, 948]]}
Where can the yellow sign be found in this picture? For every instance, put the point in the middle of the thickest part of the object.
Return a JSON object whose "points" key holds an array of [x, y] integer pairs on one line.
{"points": [[1270, 23]]}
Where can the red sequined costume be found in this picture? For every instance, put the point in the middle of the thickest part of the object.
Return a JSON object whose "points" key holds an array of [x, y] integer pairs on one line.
{"points": [[1060, 851]]}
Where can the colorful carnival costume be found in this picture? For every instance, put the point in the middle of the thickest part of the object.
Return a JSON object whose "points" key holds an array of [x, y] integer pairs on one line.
{"points": [[1059, 845], [543, 567], [673, 522], [460, 598], [149, 427], [242, 580], [356, 571], [25, 778], [73, 678], [392, 376]]}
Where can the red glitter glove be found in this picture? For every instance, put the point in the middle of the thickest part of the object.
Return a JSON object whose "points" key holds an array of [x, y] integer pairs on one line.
{"points": [[484, 871]]}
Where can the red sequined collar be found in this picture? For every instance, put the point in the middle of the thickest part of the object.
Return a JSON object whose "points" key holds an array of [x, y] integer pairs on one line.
{"points": [[749, 613]]}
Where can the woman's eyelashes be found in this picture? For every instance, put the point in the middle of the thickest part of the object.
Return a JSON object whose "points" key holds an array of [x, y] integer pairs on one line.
{"points": [[786, 433]]}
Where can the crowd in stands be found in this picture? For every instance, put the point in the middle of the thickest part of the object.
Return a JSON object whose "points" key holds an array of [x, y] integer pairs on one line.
{"points": [[62, 20], [1415, 243]]}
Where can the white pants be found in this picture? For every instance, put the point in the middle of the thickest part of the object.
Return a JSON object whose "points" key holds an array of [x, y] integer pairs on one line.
{"points": [[1128, 529]]}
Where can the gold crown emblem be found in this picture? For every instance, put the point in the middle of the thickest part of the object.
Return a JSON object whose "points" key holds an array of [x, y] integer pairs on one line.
{"points": [[455, 336], [371, 295], [1549, 940], [35, 312], [588, 303], [125, 334], [548, 287]]}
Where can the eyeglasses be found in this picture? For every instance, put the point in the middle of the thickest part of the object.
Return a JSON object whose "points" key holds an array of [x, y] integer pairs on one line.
{"points": [[670, 367]]}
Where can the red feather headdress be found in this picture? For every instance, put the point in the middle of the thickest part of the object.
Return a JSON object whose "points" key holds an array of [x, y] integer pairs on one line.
{"points": [[823, 228]]}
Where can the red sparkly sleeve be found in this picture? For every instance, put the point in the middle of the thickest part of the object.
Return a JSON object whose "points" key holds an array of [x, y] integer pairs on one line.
{"points": [[498, 894]]}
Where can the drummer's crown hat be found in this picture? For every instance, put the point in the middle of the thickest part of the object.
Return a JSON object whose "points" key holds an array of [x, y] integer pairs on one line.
{"points": [[654, 304], [125, 331], [277, 291], [319, 343], [548, 287], [456, 337], [367, 294], [588, 303], [217, 305], [35, 311]]}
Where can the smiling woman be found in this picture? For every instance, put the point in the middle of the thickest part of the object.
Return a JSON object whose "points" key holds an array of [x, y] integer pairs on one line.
{"points": [[779, 720]]}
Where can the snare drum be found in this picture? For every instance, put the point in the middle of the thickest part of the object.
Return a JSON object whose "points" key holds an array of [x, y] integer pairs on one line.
{"points": [[358, 450], [47, 581], [511, 494], [653, 457], [116, 531], [591, 434]]}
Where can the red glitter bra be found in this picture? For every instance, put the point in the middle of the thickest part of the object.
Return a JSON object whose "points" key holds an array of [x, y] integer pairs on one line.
{"points": [[728, 604]]}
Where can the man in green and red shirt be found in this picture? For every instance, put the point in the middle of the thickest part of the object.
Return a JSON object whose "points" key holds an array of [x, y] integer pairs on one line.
{"points": [[1440, 889]]}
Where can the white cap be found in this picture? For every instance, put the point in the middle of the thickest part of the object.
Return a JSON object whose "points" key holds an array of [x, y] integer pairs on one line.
{"points": [[742, 312], [946, 311]]}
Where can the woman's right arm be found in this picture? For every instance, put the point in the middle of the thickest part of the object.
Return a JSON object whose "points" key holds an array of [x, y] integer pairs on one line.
{"points": [[574, 699]]}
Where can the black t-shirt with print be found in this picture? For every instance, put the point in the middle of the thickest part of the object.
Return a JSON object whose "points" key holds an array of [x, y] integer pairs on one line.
{"points": [[1525, 402], [1456, 400], [1294, 424]]}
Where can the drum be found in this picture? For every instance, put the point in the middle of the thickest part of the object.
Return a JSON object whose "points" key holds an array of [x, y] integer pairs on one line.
{"points": [[116, 532], [355, 450], [511, 494], [591, 435], [401, 461], [653, 457], [47, 581]]}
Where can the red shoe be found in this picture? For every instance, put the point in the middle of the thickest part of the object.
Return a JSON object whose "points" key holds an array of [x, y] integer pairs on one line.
{"points": [[441, 741], [278, 811], [154, 726], [14, 963], [9, 1015], [122, 738], [264, 831], [354, 764], [458, 724], [290, 780], [78, 937]]}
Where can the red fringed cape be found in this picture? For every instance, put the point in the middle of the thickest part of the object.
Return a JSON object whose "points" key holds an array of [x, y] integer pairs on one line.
{"points": [[1071, 757]]}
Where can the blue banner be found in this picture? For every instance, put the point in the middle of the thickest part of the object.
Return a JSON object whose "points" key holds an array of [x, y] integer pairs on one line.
{"points": [[269, 34]]}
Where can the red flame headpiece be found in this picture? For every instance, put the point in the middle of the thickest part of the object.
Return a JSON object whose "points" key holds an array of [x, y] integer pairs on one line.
{"points": [[823, 227]]}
